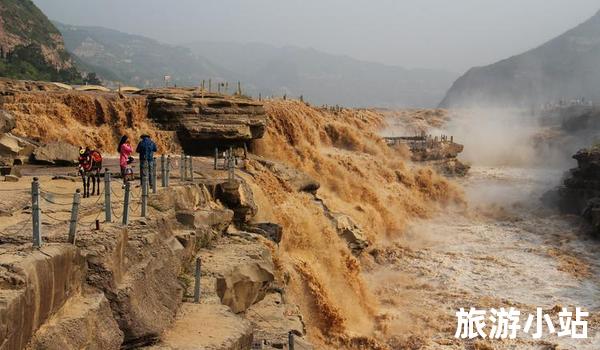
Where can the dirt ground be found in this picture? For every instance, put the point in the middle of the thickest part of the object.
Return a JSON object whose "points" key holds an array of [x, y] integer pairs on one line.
{"points": [[57, 187]]}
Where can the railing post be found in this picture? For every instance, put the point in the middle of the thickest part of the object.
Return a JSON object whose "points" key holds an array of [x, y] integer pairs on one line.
{"points": [[290, 340], [197, 282], [168, 171], [163, 170], [126, 203], [231, 165], [216, 157], [191, 164], [144, 188], [107, 190], [36, 212], [182, 167], [74, 216], [153, 174]]}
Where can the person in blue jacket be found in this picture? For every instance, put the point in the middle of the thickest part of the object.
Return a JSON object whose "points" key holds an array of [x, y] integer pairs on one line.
{"points": [[146, 149]]}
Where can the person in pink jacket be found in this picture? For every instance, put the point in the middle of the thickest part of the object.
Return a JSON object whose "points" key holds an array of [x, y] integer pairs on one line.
{"points": [[125, 151]]}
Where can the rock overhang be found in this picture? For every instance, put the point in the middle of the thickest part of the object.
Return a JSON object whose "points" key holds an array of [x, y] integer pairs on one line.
{"points": [[206, 120]]}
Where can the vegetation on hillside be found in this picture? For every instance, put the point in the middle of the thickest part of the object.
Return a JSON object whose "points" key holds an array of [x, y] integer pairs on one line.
{"points": [[28, 63], [30, 45]]}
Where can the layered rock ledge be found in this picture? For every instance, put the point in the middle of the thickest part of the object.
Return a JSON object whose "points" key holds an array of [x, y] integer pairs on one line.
{"points": [[205, 120], [580, 192]]}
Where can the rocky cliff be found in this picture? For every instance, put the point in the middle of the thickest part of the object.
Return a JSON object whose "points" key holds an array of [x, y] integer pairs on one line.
{"points": [[30, 45], [563, 68], [45, 113], [135, 60], [206, 120], [580, 192]]}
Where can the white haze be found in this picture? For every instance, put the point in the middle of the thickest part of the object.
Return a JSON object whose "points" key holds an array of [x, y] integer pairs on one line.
{"points": [[440, 34]]}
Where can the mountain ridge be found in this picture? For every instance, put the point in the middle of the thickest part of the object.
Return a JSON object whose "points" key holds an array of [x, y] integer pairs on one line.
{"points": [[31, 47], [561, 68], [134, 59], [321, 78]]}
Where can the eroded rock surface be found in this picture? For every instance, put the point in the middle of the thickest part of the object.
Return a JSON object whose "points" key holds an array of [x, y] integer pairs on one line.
{"points": [[59, 153], [205, 120], [15, 148], [7, 121], [296, 179], [580, 192], [137, 270], [84, 322], [237, 196], [207, 327], [34, 286], [242, 271], [273, 319], [350, 232]]}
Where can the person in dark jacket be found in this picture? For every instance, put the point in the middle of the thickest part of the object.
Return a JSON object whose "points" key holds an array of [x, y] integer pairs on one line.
{"points": [[146, 149]]}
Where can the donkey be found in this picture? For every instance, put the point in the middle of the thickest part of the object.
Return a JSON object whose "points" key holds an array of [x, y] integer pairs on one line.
{"points": [[90, 164]]}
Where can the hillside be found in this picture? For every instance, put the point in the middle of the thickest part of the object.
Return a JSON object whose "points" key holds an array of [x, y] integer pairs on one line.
{"points": [[325, 78], [563, 68], [30, 46], [134, 60], [321, 78]]}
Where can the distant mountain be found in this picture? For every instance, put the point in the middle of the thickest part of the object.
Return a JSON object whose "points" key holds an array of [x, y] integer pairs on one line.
{"points": [[135, 60], [566, 67], [321, 78], [30, 46], [325, 78]]}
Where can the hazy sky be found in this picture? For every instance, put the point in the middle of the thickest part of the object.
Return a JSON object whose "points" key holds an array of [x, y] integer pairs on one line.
{"points": [[448, 34]]}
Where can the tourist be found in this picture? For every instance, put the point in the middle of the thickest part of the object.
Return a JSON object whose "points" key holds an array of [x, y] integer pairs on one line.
{"points": [[125, 158], [146, 149]]}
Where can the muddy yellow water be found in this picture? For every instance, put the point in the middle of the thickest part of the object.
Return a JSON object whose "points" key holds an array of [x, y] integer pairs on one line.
{"points": [[504, 251]]}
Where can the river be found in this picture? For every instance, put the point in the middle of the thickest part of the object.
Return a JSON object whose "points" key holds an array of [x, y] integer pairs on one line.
{"points": [[505, 250]]}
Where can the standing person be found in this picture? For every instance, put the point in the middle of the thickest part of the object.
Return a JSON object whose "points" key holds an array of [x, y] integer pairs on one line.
{"points": [[125, 151], [146, 149]]}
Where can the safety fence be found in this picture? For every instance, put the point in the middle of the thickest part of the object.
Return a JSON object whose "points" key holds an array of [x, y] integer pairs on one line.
{"points": [[118, 204], [132, 200]]}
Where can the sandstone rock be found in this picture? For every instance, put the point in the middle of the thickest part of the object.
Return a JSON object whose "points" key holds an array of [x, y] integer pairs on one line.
{"points": [[7, 122], [436, 150], [8, 85], [207, 327], [592, 212], [218, 219], [450, 167], [350, 232], [242, 270], [82, 323], [580, 192], [137, 270], [11, 178], [34, 285], [56, 153], [12, 146], [204, 121], [244, 285], [238, 197], [273, 319], [181, 198], [268, 230], [296, 179]]}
